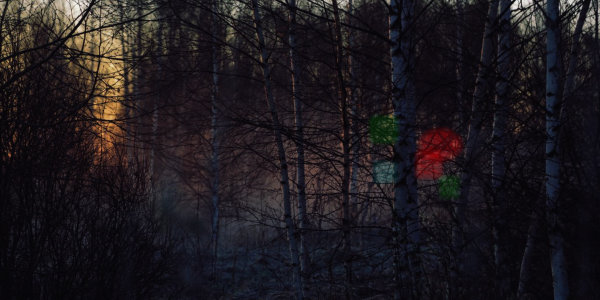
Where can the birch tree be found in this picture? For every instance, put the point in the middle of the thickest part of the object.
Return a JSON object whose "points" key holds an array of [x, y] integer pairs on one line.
{"points": [[345, 145], [299, 124], [215, 138], [475, 124], [499, 144], [137, 52], [405, 227], [555, 107], [283, 165], [555, 118], [154, 107], [459, 59], [555, 230], [354, 114], [526, 266], [127, 136]]}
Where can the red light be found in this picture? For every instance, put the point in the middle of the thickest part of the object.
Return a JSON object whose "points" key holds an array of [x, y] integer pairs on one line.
{"points": [[434, 148]]}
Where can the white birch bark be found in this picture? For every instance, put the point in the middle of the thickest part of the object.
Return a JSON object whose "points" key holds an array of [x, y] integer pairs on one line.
{"points": [[526, 269], [462, 118], [299, 123], [354, 114], [557, 250], [283, 166], [498, 144], [215, 137], [405, 214], [127, 136], [526, 264]]}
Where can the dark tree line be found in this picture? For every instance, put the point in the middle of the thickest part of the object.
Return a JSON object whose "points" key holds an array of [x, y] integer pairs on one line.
{"points": [[224, 149]]}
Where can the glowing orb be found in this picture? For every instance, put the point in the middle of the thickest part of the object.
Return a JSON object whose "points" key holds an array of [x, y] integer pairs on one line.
{"points": [[449, 187], [383, 129], [434, 148], [383, 172]]}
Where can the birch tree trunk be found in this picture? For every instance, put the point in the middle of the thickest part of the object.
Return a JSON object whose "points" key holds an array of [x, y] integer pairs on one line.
{"points": [[159, 59], [476, 121], [299, 123], [127, 136], [459, 60], [526, 264], [499, 146], [555, 235], [283, 166], [526, 270], [343, 100], [137, 52], [354, 115], [215, 138], [405, 225], [462, 118]]}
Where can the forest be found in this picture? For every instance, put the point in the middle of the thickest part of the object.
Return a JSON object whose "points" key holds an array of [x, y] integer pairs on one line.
{"points": [[299, 149]]}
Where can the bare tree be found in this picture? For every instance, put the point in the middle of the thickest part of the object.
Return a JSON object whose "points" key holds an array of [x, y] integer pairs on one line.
{"points": [[283, 165], [555, 230], [215, 130], [499, 144], [405, 225], [476, 121], [299, 124], [345, 145]]}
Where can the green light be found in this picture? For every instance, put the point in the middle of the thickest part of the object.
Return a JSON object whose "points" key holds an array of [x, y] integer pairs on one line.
{"points": [[383, 129], [449, 187]]}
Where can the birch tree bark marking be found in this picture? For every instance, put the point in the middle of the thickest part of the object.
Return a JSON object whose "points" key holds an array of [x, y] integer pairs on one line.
{"points": [[498, 145], [405, 212], [557, 251]]}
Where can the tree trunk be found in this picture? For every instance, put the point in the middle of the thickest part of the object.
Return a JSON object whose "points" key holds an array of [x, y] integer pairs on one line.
{"points": [[476, 121], [459, 61], [155, 100], [137, 85], [343, 100], [569, 85], [499, 146], [555, 227], [126, 104], [526, 265], [355, 145], [215, 137], [4, 11], [405, 225], [283, 166], [526, 272], [299, 123]]}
